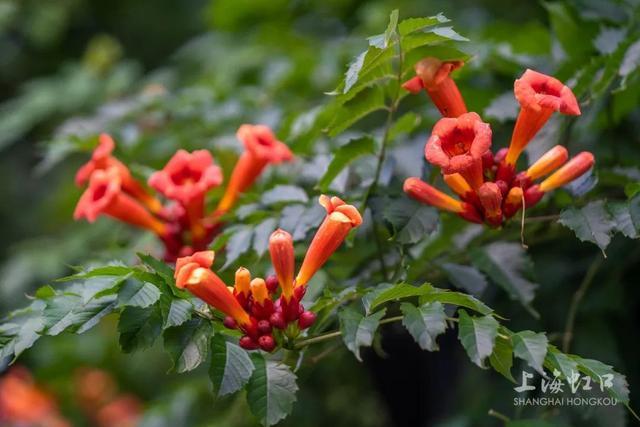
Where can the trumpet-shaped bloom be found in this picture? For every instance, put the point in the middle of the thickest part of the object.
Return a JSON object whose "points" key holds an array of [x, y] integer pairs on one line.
{"points": [[574, 168], [424, 193], [539, 96], [457, 145], [491, 200], [283, 260], [187, 176], [550, 161], [193, 274], [104, 196], [458, 184], [261, 149], [433, 75], [102, 159], [340, 220]]}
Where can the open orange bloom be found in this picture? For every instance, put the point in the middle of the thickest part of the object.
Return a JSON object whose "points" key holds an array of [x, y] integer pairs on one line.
{"points": [[193, 274], [539, 96], [104, 196], [283, 260], [101, 159], [340, 220], [425, 193], [261, 148], [433, 75], [457, 145], [573, 169]]}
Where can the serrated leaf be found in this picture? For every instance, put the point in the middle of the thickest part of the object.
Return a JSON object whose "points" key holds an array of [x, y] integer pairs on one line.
{"points": [[358, 330], [531, 347], [271, 391], [372, 294], [591, 223], [424, 323], [298, 220], [508, 265], [71, 312], [502, 357], [573, 33], [180, 311], [231, 366], [600, 372], [238, 244], [405, 124], [408, 26], [159, 267], [365, 103], [138, 294], [477, 335], [456, 298], [284, 194], [465, 277], [561, 362], [21, 329], [622, 219], [343, 156], [410, 220], [139, 327], [397, 292], [188, 344], [261, 235]]}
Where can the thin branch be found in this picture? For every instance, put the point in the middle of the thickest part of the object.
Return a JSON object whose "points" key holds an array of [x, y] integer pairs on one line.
{"points": [[576, 300], [499, 416]]}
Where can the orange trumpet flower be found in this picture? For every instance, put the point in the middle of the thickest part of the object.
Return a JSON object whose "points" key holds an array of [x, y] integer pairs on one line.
{"points": [[539, 96], [193, 274], [104, 195], [424, 193], [433, 75], [283, 260], [340, 220], [457, 145], [573, 169], [261, 149], [101, 159]]}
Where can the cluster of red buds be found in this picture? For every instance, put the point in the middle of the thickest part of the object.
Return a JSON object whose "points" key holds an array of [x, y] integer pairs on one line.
{"points": [[269, 311], [489, 188], [182, 223]]}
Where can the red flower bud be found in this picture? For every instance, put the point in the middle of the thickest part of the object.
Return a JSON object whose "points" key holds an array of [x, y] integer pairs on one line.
{"points": [[272, 283], [307, 318], [267, 343], [277, 320], [248, 343], [264, 327], [230, 323]]}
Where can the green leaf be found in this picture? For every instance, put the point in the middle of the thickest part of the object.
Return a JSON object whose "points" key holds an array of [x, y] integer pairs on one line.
{"points": [[397, 292], [139, 327], [343, 156], [107, 270], [138, 294], [362, 105], [284, 194], [456, 298], [382, 41], [406, 124], [591, 223], [180, 310], [622, 219], [531, 347], [573, 33], [465, 277], [411, 221], [477, 335], [159, 267], [261, 235], [70, 312], [21, 329], [502, 357], [358, 330], [424, 323], [613, 382], [271, 391], [559, 361], [507, 264], [408, 26], [231, 366], [188, 344], [238, 244]]}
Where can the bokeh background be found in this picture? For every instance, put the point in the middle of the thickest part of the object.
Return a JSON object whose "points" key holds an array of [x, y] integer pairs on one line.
{"points": [[160, 75]]}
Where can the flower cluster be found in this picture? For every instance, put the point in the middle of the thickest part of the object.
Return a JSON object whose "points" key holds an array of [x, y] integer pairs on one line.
{"points": [[489, 187], [182, 223], [268, 311]]}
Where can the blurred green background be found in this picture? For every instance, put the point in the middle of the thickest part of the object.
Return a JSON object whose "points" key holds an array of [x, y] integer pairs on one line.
{"points": [[161, 75]]}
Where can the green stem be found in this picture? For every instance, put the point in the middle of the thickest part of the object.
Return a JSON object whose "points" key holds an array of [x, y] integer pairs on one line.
{"points": [[499, 416]]}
